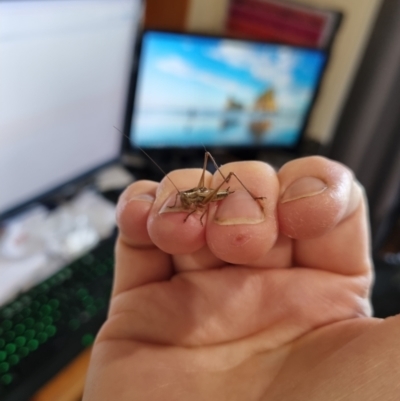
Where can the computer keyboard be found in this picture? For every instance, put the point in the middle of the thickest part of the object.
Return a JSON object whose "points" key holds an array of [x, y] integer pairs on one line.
{"points": [[44, 328]]}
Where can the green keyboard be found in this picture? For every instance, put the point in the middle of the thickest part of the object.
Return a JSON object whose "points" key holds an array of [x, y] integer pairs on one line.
{"points": [[45, 327]]}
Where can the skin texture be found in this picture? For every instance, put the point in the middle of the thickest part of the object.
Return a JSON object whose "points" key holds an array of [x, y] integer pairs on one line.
{"points": [[269, 300]]}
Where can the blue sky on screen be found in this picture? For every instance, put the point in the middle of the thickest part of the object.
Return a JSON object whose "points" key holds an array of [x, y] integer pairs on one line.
{"points": [[201, 73]]}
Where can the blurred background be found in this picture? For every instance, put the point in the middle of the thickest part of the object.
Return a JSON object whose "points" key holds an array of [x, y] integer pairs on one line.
{"points": [[354, 118], [86, 84]]}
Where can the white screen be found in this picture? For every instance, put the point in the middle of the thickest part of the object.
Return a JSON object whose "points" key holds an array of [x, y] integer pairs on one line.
{"points": [[64, 75]]}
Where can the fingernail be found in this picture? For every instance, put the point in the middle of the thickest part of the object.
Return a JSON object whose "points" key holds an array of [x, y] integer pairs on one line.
{"points": [[239, 208], [123, 203], [303, 188], [172, 204], [142, 198]]}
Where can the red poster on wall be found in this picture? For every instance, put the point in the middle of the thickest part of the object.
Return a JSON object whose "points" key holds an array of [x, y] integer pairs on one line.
{"points": [[282, 21]]}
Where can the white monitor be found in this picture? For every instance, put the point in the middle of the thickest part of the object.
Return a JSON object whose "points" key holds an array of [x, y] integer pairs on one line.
{"points": [[64, 76]]}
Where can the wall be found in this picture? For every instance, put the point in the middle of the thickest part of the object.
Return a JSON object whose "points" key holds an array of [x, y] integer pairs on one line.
{"points": [[359, 16], [207, 16]]}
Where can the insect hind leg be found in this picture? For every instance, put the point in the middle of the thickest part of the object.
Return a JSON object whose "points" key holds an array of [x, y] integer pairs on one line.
{"points": [[209, 155], [228, 177], [232, 174]]}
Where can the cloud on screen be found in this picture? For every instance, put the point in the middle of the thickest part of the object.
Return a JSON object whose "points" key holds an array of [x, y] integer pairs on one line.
{"points": [[274, 68], [178, 66]]}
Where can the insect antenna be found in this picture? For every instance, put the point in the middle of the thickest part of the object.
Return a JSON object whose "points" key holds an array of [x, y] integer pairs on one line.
{"points": [[150, 158]]}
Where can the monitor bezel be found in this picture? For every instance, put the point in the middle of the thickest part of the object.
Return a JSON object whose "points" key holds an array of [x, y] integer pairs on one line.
{"points": [[56, 192], [197, 150]]}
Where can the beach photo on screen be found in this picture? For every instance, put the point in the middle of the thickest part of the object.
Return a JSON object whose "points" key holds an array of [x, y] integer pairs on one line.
{"points": [[197, 90]]}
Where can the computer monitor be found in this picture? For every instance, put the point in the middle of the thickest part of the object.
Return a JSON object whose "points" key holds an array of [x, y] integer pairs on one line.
{"points": [[64, 77], [65, 70], [194, 90]]}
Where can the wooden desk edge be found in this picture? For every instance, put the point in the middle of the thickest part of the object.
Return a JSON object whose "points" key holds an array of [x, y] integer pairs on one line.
{"points": [[68, 384]]}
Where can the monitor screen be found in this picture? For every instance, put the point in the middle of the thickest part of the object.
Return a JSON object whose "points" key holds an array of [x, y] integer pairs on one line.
{"points": [[65, 69], [196, 90]]}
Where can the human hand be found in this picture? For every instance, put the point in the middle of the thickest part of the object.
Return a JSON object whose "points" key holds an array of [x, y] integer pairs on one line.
{"points": [[266, 303]]}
